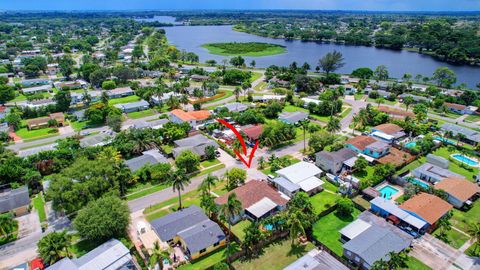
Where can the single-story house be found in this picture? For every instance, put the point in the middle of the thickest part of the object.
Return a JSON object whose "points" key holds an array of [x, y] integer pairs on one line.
{"points": [[266, 98], [36, 150], [37, 103], [461, 109], [155, 124], [415, 98], [3, 111], [190, 228], [258, 199], [388, 132], [310, 100], [470, 136], [15, 200], [164, 97], [275, 82], [197, 144], [34, 82], [109, 255], [427, 207], [37, 89], [293, 118], [460, 191], [150, 157], [433, 173], [333, 162], [96, 140], [120, 92], [305, 175], [252, 132], [133, 106], [42, 122], [71, 85], [194, 118], [381, 93], [368, 146], [396, 113], [233, 107], [199, 78], [317, 259]]}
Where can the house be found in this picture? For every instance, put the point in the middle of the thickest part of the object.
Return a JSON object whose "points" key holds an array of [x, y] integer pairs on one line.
{"points": [[381, 93], [133, 106], [164, 97], [275, 82], [252, 132], [194, 118], [191, 229], [258, 199], [233, 107], [5, 128], [150, 157], [35, 82], [3, 111], [16, 201], [469, 136], [373, 243], [304, 175], [197, 144], [71, 85], [111, 255], [37, 103], [460, 191], [433, 173], [461, 109], [155, 124], [388, 132], [353, 229], [310, 100], [199, 78], [388, 209], [349, 89], [266, 98], [120, 92], [37, 89], [293, 118], [333, 162], [415, 98], [368, 146], [317, 259], [396, 113], [100, 139], [43, 122], [427, 207]]}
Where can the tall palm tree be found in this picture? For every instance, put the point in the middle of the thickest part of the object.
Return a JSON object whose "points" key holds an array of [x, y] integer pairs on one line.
{"points": [[229, 210], [379, 101], [296, 227], [237, 92], [54, 246], [179, 180], [304, 124], [158, 256], [209, 182], [355, 121], [397, 260], [474, 231], [333, 124]]}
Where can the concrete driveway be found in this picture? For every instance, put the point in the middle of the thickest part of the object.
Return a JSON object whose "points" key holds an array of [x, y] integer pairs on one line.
{"points": [[28, 224]]}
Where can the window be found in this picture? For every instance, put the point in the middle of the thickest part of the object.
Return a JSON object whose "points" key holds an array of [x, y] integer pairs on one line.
{"points": [[203, 250], [216, 244], [348, 253], [357, 259]]}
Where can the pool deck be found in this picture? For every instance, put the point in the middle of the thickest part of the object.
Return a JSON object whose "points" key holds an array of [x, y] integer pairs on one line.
{"points": [[397, 187], [466, 157]]}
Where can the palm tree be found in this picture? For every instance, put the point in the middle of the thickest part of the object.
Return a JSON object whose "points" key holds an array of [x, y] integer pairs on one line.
{"points": [[54, 246], [379, 101], [355, 121], [380, 265], [304, 124], [408, 101], [296, 227], [229, 210], [158, 256], [397, 260], [333, 124], [261, 163], [179, 180], [474, 231], [236, 92], [7, 223], [209, 182]]}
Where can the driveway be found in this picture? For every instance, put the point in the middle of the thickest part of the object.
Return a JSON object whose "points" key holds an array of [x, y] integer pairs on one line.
{"points": [[28, 224]]}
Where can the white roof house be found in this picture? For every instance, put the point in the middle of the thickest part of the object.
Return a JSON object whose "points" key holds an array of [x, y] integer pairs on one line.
{"points": [[355, 228], [262, 207], [303, 174]]}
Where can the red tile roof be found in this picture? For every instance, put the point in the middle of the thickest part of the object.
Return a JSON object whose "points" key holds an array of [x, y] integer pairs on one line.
{"points": [[252, 192], [429, 207], [388, 128], [455, 106], [253, 132], [395, 112], [191, 115], [361, 142], [460, 188]]}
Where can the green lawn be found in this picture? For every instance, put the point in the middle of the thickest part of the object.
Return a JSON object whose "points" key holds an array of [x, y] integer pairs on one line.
{"points": [[167, 148], [209, 170], [473, 118], [82, 247], [12, 234], [454, 167], [36, 134], [141, 114], [206, 261], [146, 191], [365, 174], [361, 201], [77, 126], [255, 76], [238, 228], [388, 102], [345, 112], [454, 238], [473, 250], [462, 219], [261, 86], [253, 49], [276, 256], [323, 200], [327, 230], [329, 186], [39, 205], [19, 97], [123, 100], [209, 163], [414, 264]]}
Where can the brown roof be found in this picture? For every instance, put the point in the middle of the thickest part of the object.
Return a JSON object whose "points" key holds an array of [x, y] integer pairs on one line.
{"points": [[253, 132], [459, 188], [429, 207], [252, 192], [57, 116], [361, 142], [38, 121], [191, 115], [455, 106], [395, 112], [397, 157], [389, 128]]}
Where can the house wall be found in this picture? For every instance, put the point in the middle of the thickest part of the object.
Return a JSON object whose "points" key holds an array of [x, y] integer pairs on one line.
{"points": [[454, 201], [136, 109], [375, 154], [357, 260], [329, 165], [20, 211]]}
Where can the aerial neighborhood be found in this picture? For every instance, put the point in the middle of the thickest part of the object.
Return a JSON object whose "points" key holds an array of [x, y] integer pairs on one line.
{"points": [[119, 149]]}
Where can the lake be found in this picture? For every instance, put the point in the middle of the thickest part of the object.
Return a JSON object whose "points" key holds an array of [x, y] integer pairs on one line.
{"points": [[191, 38]]}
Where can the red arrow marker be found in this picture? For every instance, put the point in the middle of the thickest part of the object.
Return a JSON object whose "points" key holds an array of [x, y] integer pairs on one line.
{"points": [[242, 142]]}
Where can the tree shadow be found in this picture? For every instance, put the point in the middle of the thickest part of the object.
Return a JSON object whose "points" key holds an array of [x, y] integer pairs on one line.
{"points": [[297, 250]]}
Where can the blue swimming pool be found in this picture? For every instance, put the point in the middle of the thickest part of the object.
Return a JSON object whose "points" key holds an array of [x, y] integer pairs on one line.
{"points": [[420, 183], [268, 227], [411, 145], [438, 138], [388, 191], [464, 159]]}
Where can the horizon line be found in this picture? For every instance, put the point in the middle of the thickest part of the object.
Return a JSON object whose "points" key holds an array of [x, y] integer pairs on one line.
{"points": [[232, 9]]}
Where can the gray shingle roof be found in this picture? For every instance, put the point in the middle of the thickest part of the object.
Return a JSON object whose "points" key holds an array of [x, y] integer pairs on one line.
{"points": [[151, 157], [132, 105], [376, 242], [290, 186], [13, 199], [202, 235], [337, 156], [293, 117], [196, 144], [455, 129]]}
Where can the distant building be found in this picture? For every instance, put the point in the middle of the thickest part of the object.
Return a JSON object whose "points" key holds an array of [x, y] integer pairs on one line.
{"points": [[35, 82], [293, 118], [150, 157], [96, 140], [461, 109], [37, 89], [233, 107], [120, 92], [194, 118], [266, 98], [415, 98], [16, 201], [396, 113], [42, 122], [461, 192], [133, 106], [470, 136], [197, 144]]}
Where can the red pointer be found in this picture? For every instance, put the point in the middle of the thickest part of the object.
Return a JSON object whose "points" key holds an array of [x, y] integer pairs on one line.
{"points": [[242, 142]]}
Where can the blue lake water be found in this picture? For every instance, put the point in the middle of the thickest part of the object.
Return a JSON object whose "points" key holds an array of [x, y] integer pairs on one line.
{"points": [[191, 38]]}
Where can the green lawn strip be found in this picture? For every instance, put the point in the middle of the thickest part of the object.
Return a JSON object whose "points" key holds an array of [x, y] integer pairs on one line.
{"points": [[228, 93], [255, 76], [123, 100], [453, 237], [36, 134], [359, 96], [462, 219], [209, 170], [141, 114], [77, 126], [345, 112], [209, 163], [327, 230], [473, 118], [254, 49], [414, 264], [454, 167], [260, 86], [385, 101], [207, 261], [361, 201], [167, 148], [82, 247], [238, 228], [39, 205], [329, 186], [323, 200], [146, 192], [277, 255], [19, 97], [473, 250]]}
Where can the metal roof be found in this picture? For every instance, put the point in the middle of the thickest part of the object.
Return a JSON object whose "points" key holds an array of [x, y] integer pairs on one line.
{"points": [[393, 209], [455, 129], [355, 228], [14, 198], [284, 183], [299, 171], [260, 208], [310, 183], [132, 105]]}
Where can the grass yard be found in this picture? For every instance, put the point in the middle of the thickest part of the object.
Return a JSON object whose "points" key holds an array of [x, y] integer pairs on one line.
{"points": [[261, 86], [238, 228], [19, 97], [275, 256], [454, 167], [323, 200], [345, 112], [206, 262], [365, 174], [77, 126], [146, 191], [254, 49], [453, 237], [255, 76], [462, 219], [473, 250], [385, 101], [327, 230], [329, 186], [167, 148], [359, 96], [123, 100], [209, 163], [82, 247], [39, 204], [36, 134], [472, 118], [361, 201], [209, 170], [414, 263], [141, 114]]}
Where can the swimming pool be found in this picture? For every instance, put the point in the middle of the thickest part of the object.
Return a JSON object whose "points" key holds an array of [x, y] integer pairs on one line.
{"points": [[419, 183], [388, 191], [466, 160], [438, 138], [411, 145], [268, 227]]}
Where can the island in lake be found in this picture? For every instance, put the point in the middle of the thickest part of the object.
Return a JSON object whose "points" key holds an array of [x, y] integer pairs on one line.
{"points": [[254, 49]]}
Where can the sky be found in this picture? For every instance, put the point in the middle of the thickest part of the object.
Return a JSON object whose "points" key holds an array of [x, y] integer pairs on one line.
{"points": [[374, 5]]}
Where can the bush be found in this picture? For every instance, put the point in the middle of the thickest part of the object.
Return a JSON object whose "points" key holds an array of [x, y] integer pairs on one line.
{"points": [[345, 207], [109, 85]]}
